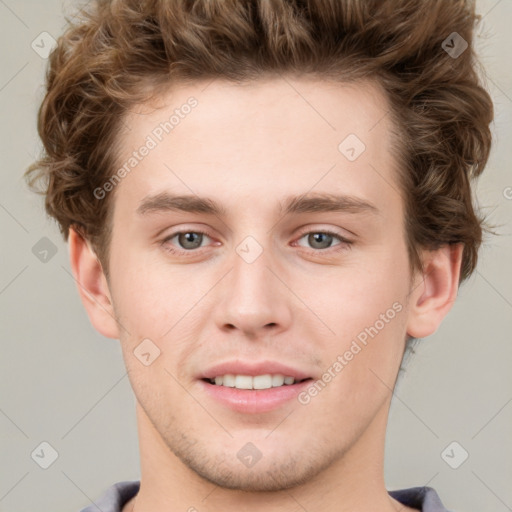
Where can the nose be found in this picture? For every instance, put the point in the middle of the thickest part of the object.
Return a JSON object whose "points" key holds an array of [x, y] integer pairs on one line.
{"points": [[252, 298]]}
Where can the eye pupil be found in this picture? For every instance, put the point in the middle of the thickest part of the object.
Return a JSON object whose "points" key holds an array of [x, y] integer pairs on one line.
{"points": [[318, 238], [190, 238]]}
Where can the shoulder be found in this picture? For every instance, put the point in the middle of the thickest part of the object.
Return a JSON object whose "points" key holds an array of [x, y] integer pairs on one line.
{"points": [[425, 499], [114, 498]]}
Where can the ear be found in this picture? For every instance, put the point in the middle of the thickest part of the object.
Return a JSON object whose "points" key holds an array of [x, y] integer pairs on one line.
{"points": [[435, 290], [92, 285]]}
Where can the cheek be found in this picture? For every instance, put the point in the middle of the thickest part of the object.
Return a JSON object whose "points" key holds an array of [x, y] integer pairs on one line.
{"points": [[366, 308], [145, 293], [164, 304], [354, 297]]}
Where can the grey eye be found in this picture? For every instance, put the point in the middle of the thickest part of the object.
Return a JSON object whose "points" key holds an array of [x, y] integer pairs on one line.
{"points": [[319, 239], [190, 239]]}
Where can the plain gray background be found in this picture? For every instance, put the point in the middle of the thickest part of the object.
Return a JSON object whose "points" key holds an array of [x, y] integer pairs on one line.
{"points": [[64, 384]]}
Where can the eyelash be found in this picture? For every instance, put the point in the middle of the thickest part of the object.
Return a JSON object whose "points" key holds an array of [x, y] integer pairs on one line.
{"points": [[342, 246]]}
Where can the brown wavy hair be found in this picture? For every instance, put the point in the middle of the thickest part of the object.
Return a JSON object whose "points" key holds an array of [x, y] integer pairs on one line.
{"points": [[119, 53]]}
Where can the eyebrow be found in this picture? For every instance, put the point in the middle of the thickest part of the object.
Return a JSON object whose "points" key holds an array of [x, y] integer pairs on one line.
{"points": [[304, 203]]}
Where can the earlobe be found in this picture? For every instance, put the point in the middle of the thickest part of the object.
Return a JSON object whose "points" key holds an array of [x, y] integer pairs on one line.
{"points": [[92, 285], [434, 293]]}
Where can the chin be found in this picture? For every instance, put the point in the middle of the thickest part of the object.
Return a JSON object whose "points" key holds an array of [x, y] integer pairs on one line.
{"points": [[272, 472], [273, 479]]}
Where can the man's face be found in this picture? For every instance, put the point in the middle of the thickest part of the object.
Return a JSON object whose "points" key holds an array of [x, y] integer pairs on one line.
{"points": [[262, 287]]}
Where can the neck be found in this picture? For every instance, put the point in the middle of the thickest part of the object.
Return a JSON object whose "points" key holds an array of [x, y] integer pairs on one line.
{"points": [[354, 482]]}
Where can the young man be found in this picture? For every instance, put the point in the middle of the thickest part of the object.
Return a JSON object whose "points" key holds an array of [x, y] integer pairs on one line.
{"points": [[265, 201]]}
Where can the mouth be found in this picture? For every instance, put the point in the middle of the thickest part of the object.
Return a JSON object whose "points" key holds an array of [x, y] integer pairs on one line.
{"points": [[256, 382], [251, 387]]}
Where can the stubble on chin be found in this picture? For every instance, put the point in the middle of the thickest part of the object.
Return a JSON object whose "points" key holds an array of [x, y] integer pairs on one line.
{"points": [[225, 470]]}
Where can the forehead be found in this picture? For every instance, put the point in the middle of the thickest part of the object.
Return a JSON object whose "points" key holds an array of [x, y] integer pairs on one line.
{"points": [[260, 140]]}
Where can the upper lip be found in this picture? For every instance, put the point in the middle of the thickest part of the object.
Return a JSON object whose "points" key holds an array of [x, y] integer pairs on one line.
{"points": [[238, 367]]}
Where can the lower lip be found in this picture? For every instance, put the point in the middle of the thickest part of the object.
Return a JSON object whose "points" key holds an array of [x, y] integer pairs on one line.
{"points": [[253, 401]]}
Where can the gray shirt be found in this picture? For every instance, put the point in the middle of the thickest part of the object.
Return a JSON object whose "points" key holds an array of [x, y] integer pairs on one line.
{"points": [[116, 496]]}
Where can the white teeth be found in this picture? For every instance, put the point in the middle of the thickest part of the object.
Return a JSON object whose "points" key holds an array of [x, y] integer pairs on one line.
{"points": [[243, 382], [228, 380], [262, 381], [265, 381], [277, 380]]}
